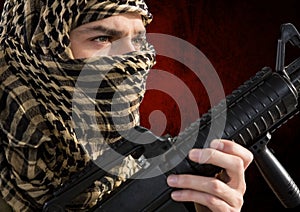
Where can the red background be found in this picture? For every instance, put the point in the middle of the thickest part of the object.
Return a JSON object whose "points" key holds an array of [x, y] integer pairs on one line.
{"points": [[239, 38]]}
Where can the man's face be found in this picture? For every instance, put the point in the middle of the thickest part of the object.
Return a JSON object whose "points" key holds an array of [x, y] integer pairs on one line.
{"points": [[114, 35]]}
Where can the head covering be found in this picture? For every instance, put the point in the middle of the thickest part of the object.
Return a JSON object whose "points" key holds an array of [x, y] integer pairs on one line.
{"points": [[56, 112], [44, 26]]}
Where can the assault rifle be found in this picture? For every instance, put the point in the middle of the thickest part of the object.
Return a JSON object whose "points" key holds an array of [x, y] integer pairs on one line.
{"points": [[251, 113]]}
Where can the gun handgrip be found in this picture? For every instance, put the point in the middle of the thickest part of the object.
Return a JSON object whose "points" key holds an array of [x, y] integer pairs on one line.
{"points": [[275, 175]]}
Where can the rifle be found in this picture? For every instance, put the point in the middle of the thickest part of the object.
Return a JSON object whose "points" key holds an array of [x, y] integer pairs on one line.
{"points": [[252, 113]]}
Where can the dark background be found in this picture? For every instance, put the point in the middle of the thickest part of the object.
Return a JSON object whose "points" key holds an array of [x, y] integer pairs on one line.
{"points": [[239, 38]]}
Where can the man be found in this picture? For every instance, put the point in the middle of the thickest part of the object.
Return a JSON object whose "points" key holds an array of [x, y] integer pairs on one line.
{"points": [[49, 132]]}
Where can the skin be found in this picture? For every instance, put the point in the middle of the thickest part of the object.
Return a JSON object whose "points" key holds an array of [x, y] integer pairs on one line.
{"points": [[125, 33], [114, 35]]}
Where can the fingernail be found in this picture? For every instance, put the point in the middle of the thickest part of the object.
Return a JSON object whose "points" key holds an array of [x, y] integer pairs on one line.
{"points": [[195, 154], [172, 180], [175, 195], [217, 144]]}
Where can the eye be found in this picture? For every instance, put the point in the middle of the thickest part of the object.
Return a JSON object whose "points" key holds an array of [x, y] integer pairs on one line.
{"points": [[139, 41], [102, 39]]}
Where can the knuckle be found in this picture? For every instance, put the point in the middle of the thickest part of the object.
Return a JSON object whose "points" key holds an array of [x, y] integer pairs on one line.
{"points": [[239, 202], [212, 201], [250, 157], [238, 163], [243, 187], [216, 187]]}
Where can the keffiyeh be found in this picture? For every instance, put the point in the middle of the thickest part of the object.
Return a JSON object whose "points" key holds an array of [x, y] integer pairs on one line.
{"points": [[57, 113]]}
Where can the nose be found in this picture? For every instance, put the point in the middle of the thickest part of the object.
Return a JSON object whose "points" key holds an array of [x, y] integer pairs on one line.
{"points": [[122, 46]]}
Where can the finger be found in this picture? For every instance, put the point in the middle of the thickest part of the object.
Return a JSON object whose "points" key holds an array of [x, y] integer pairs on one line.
{"points": [[233, 165], [206, 185], [233, 148], [212, 202]]}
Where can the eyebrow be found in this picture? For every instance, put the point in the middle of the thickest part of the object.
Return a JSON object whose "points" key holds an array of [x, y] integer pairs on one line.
{"points": [[108, 31]]}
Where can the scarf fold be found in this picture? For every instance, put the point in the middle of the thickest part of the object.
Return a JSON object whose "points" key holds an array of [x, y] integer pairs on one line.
{"points": [[58, 113]]}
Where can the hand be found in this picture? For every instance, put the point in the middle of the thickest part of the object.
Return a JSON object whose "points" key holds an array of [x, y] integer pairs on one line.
{"points": [[216, 193]]}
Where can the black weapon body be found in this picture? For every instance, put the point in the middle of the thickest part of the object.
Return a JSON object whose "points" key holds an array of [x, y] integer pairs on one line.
{"points": [[261, 106], [250, 115]]}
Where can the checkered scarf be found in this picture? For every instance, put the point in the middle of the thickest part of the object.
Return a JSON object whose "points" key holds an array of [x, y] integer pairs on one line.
{"points": [[58, 113]]}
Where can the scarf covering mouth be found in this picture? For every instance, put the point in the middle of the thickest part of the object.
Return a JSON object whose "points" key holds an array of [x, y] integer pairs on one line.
{"points": [[58, 113]]}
